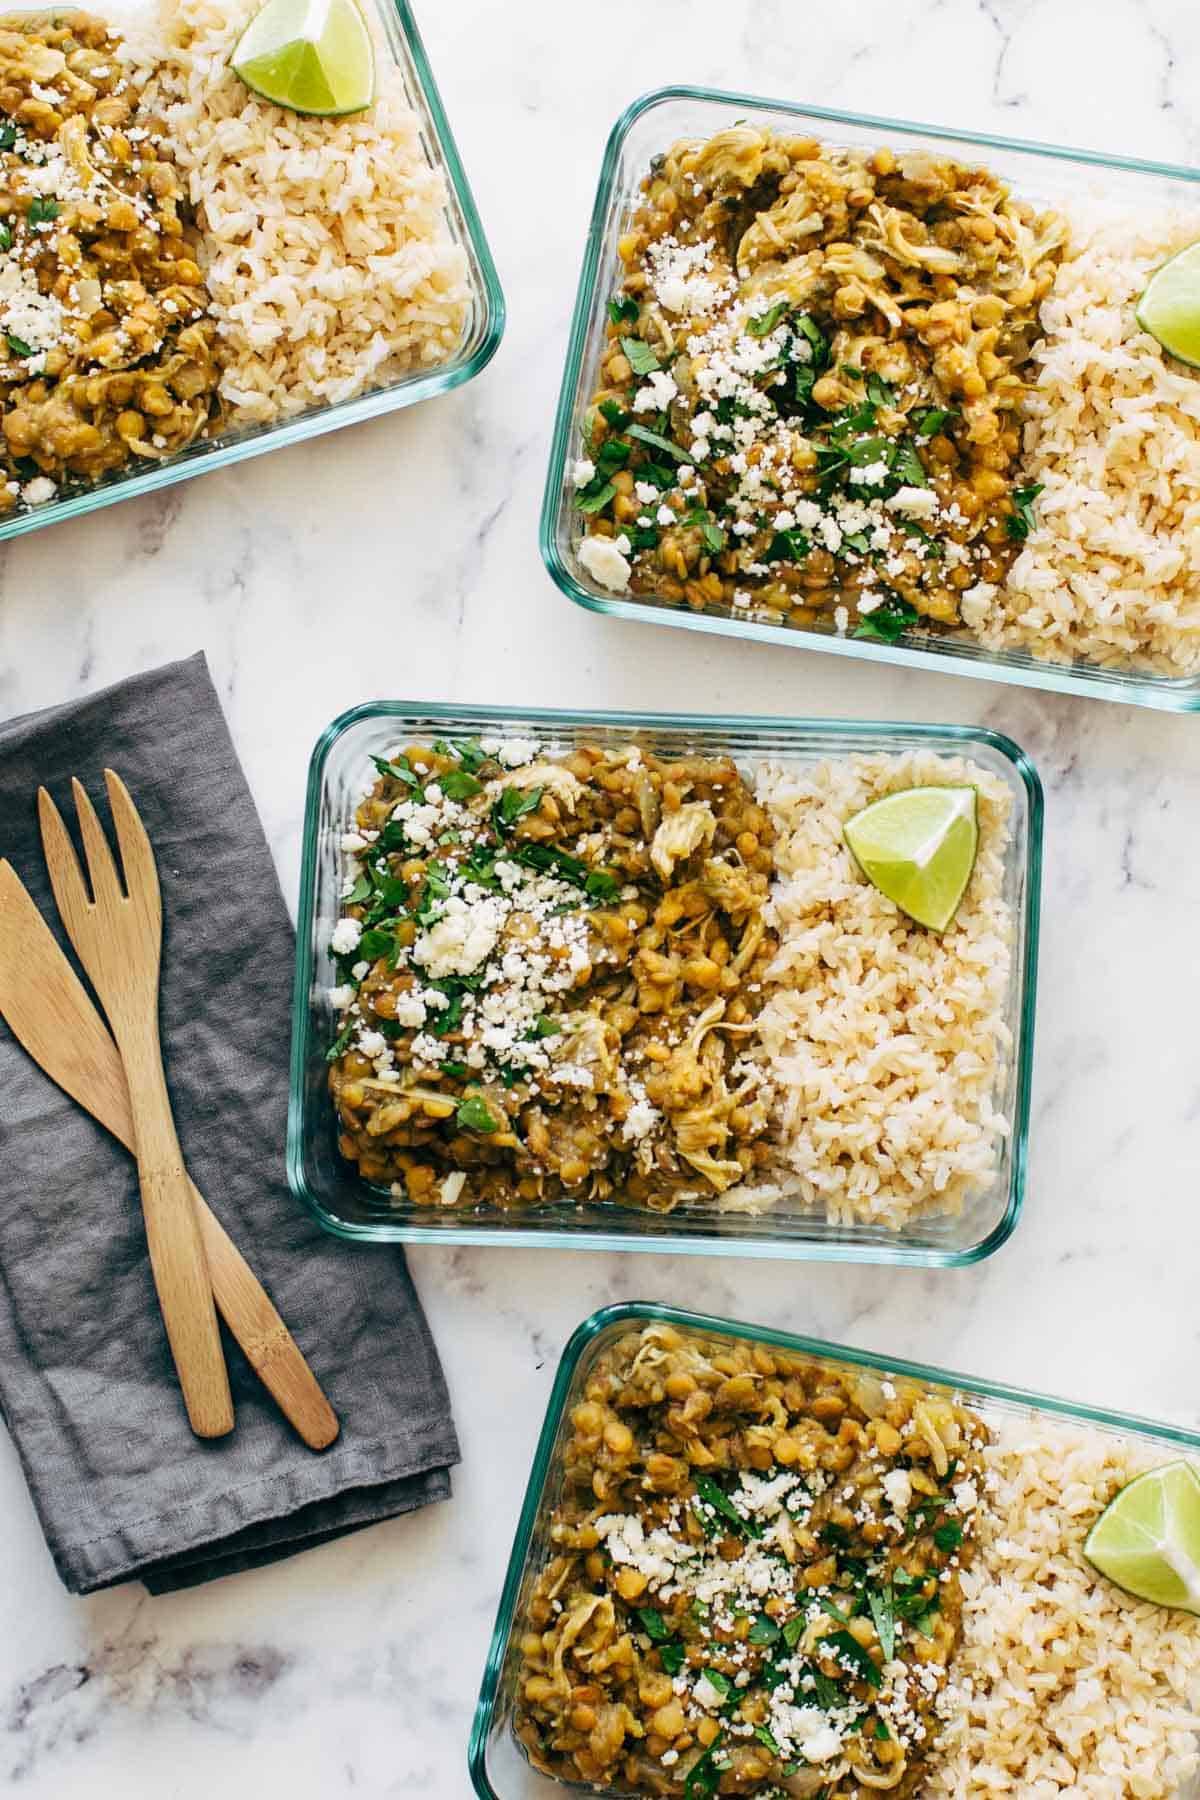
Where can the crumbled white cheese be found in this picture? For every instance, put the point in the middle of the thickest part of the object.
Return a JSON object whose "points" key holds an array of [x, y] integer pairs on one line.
{"points": [[913, 502], [605, 563], [345, 936], [657, 394], [897, 1485], [461, 939], [583, 472], [340, 997]]}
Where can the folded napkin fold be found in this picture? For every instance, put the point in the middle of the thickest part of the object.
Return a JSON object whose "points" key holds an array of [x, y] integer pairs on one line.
{"points": [[87, 1387]]}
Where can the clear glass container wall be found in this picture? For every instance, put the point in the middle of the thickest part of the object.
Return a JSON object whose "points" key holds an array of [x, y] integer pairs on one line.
{"points": [[1040, 173], [345, 1204], [499, 1768], [481, 335]]}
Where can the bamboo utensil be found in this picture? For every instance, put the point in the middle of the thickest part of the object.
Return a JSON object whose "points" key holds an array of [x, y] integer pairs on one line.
{"points": [[49, 1011], [118, 938]]}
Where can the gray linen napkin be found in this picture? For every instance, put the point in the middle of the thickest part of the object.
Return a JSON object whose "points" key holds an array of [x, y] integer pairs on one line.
{"points": [[87, 1388]]}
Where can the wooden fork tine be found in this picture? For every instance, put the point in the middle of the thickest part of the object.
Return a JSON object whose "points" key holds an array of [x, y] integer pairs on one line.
{"points": [[102, 870], [137, 857], [66, 877]]}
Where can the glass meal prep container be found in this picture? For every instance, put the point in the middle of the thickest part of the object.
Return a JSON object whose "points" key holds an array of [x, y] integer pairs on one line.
{"points": [[500, 1769], [482, 329], [348, 1206], [1040, 173]]}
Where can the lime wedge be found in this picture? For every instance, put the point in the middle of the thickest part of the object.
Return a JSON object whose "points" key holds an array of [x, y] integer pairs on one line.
{"points": [[1170, 307], [918, 847], [314, 56], [1147, 1540]]}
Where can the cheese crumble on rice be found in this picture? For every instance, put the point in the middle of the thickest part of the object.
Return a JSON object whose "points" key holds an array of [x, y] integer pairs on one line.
{"points": [[329, 261]]}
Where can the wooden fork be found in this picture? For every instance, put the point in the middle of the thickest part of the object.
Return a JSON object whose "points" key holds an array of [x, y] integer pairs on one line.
{"points": [[48, 1010], [118, 939]]}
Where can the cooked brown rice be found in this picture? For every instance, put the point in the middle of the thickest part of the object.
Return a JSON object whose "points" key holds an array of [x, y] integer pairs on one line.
{"points": [[1064, 1685], [885, 1042], [1111, 570], [330, 265]]}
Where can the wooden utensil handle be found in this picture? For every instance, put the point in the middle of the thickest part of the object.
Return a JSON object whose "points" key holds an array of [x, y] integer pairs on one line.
{"points": [[176, 1252], [269, 1346], [185, 1297]]}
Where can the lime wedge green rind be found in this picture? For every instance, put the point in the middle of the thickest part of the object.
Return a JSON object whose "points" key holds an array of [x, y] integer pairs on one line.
{"points": [[312, 56], [918, 847], [1147, 1540], [1169, 309]]}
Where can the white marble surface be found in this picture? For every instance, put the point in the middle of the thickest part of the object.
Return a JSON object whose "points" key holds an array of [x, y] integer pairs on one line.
{"points": [[352, 1671]]}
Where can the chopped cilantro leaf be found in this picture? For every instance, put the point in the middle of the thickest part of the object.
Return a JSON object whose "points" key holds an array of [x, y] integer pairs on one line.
{"points": [[704, 1777], [764, 324], [457, 1070], [459, 784], [17, 345], [948, 1537], [883, 1614], [657, 441], [5, 236], [642, 359], [764, 1737], [1020, 522], [888, 622], [42, 211], [398, 770], [710, 531], [714, 1496], [907, 466], [474, 1115], [927, 424], [340, 1042], [513, 804], [623, 310], [593, 499], [672, 1656], [879, 391], [8, 135], [374, 944], [653, 1624], [788, 546], [863, 1662], [764, 1631], [613, 415], [722, 1683]]}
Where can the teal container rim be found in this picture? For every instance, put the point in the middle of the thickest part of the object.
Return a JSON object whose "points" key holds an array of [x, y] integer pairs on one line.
{"points": [[777, 1249], [199, 460], [1179, 694], [651, 1312]]}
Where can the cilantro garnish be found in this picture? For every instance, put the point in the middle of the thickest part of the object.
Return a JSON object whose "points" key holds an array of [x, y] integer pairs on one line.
{"points": [[653, 1624], [459, 784], [721, 1683], [948, 1537], [788, 546], [848, 1646], [614, 415], [513, 804], [765, 323], [623, 310], [704, 1777], [42, 211], [883, 1614], [927, 424], [8, 135], [879, 391], [5, 236], [398, 770], [597, 500], [642, 359], [1021, 521], [764, 1631], [888, 622], [17, 345], [764, 1737], [657, 441], [715, 1497], [710, 531], [907, 466], [474, 1115], [672, 1656], [339, 1043], [457, 1070]]}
